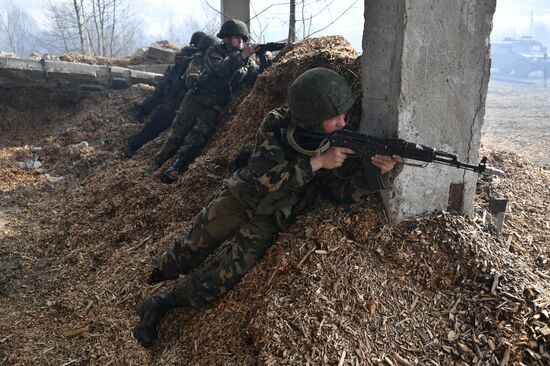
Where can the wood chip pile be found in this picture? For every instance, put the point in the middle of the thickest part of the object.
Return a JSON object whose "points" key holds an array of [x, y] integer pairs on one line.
{"points": [[139, 59], [271, 89], [96, 60], [342, 287]]}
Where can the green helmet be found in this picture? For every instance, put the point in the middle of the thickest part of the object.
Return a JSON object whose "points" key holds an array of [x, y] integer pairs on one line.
{"points": [[234, 27], [207, 41], [317, 95], [196, 38]]}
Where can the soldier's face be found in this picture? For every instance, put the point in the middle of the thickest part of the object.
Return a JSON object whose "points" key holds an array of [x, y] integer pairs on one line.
{"points": [[334, 124], [237, 42]]}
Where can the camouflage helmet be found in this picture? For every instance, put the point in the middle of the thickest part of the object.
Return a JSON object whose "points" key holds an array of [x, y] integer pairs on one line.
{"points": [[207, 41], [234, 27], [196, 38], [317, 95]]}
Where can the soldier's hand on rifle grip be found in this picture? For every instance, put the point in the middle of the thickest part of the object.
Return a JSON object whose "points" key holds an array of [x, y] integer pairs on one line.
{"points": [[249, 49], [386, 163], [333, 158]]}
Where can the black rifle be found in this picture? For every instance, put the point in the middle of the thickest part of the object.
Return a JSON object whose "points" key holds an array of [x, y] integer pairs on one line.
{"points": [[366, 146], [263, 48]]}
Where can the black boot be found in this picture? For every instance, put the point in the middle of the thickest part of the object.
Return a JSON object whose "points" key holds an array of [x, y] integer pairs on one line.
{"points": [[170, 175], [157, 276], [151, 311]]}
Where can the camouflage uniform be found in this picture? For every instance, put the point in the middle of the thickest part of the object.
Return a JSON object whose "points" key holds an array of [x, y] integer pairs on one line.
{"points": [[258, 200], [256, 203], [168, 81], [161, 106], [223, 71]]}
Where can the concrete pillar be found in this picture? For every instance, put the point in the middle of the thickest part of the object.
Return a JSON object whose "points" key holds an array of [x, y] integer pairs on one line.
{"points": [[236, 9], [425, 74]]}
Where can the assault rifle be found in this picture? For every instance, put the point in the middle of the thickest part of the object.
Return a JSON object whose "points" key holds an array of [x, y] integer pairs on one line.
{"points": [[366, 146], [265, 47]]}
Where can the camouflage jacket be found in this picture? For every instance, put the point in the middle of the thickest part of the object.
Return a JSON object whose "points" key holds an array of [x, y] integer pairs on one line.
{"points": [[224, 71], [193, 72], [185, 55], [278, 180], [171, 83]]}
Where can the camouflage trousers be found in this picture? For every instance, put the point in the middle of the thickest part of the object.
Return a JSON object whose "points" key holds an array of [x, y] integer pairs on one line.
{"points": [[194, 124], [170, 78], [223, 218], [159, 120]]}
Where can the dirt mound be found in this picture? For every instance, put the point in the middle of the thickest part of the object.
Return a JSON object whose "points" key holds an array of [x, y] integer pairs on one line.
{"points": [[271, 88], [342, 287]]}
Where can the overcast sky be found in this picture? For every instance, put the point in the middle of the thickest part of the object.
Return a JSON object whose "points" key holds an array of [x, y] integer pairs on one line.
{"points": [[512, 17]]}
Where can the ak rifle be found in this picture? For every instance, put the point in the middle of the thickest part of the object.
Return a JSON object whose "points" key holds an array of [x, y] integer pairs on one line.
{"points": [[267, 47], [366, 146]]}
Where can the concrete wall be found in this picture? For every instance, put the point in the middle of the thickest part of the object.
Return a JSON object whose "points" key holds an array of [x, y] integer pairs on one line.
{"points": [[425, 74], [236, 9], [58, 74]]}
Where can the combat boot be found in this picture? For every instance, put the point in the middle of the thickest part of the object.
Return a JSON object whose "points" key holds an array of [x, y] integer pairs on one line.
{"points": [[170, 175], [151, 310], [157, 276]]}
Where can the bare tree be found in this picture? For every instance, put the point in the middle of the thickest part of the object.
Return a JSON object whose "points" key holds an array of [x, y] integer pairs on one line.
{"points": [[95, 27], [309, 11], [64, 33], [17, 29], [98, 16], [173, 32], [80, 24], [211, 20]]}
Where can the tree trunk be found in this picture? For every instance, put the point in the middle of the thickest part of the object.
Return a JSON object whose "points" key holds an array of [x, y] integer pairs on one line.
{"points": [[114, 20], [292, 22], [101, 8], [80, 27]]}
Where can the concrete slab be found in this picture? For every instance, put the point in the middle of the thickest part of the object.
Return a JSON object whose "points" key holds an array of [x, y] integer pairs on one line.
{"points": [[156, 69], [31, 73], [160, 54]]}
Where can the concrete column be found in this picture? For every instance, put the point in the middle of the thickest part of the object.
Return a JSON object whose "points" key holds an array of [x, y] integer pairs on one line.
{"points": [[425, 74], [236, 9]]}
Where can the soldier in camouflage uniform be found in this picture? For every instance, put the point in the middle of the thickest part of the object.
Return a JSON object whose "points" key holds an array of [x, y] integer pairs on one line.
{"points": [[170, 76], [226, 68], [280, 180], [173, 94]]}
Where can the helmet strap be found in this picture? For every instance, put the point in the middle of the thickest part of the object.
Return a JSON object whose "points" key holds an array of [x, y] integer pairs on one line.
{"points": [[323, 146]]}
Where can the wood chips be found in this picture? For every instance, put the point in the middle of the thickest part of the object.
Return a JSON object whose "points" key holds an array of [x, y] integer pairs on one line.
{"points": [[342, 287]]}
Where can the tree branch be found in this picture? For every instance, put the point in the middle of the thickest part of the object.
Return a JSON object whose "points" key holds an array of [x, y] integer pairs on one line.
{"points": [[334, 21]]}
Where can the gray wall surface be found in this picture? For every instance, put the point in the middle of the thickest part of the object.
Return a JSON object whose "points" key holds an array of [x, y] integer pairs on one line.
{"points": [[425, 74], [236, 9]]}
